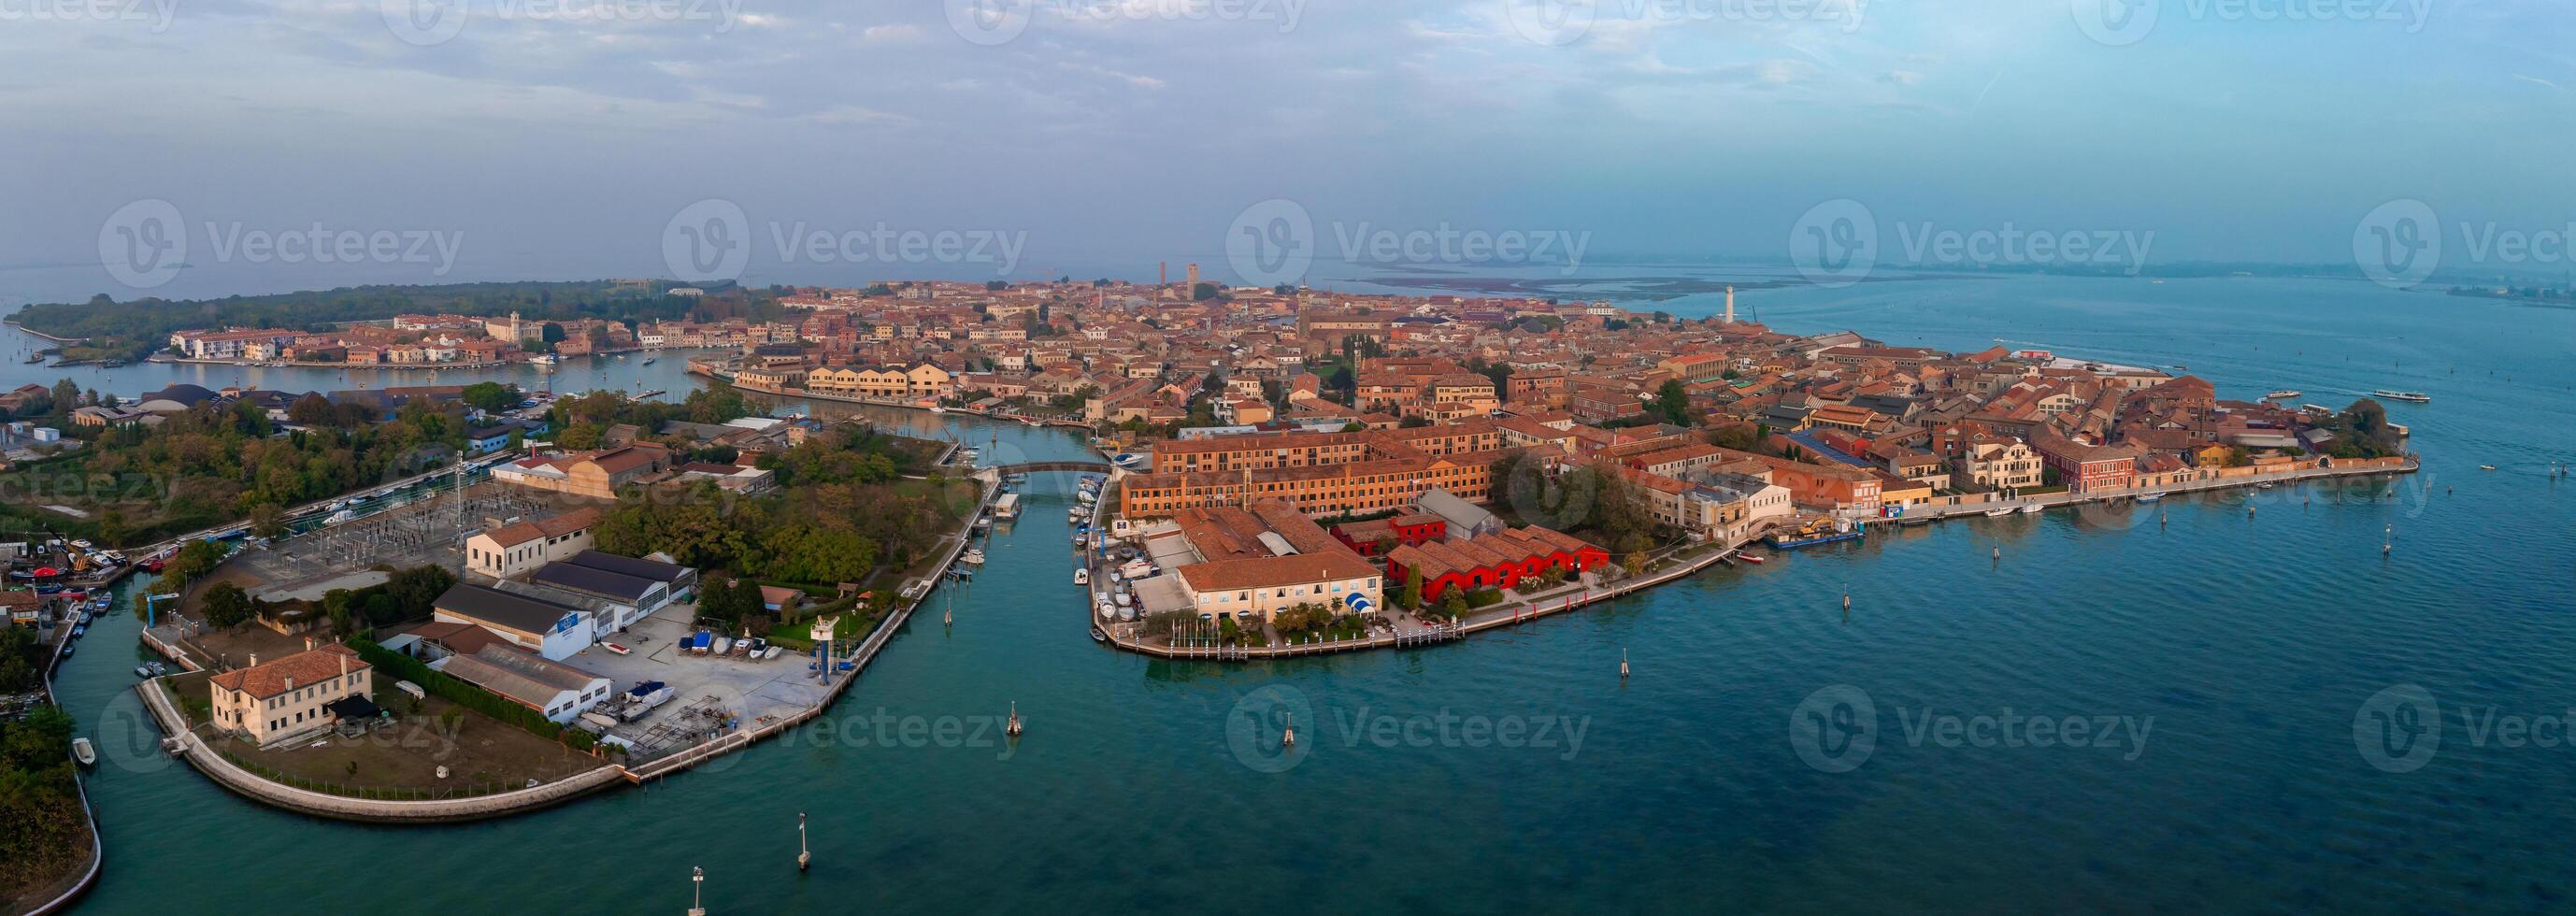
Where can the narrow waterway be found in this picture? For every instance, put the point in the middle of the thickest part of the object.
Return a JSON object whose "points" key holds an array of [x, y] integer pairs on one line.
{"points": [[2229, 655]]}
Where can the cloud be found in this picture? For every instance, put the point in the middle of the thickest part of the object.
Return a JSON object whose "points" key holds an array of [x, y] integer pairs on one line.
{"points": [[902, 32]]}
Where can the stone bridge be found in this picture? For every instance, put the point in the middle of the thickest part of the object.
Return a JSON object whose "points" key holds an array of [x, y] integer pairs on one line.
{"points": [[999, 471]]}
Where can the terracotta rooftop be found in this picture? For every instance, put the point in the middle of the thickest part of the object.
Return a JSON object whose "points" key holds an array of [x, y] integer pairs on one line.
{"points": [[302, 669]]}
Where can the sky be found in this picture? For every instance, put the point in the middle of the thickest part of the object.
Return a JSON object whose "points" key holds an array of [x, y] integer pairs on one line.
{"points": [[311, 143]]}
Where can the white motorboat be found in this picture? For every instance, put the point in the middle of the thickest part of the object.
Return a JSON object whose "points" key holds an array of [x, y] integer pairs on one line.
{"points": [[974, 556], [1126, 614], [1999, 513], [2414, 397], [1082, 576], [2032, 509]]}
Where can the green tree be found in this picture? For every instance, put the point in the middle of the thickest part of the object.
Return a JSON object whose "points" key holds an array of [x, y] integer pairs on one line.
{"points": [[227, 606], [1673, 402], [492, 397]]}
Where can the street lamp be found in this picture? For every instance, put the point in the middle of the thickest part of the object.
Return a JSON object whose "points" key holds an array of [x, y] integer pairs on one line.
{"points": [[697, 886]]}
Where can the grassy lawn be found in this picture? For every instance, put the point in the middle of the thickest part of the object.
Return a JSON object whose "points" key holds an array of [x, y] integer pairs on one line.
{"points": [[481, 754]]}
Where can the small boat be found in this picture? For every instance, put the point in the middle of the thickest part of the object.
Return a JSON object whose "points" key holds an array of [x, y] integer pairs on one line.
{"points": [[649, 360], [1108, 611], [83, 752], [2032, 509], [974, 555], [618, 649], [1753, 558], [2281, 395], [1127, 615], [2414, 397], [2486, 467], [2150, 497], [1082, 576], [1098, 636], [771, 652], [142, 672], [67, 650], [1999, 513], [723, 645], [158, 669]]}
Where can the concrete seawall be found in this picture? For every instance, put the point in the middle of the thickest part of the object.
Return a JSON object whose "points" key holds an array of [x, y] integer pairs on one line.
{"points": [[224, 772]]}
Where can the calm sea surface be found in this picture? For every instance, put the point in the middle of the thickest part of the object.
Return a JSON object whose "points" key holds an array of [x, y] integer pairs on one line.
{"points": [[2231, 660]]}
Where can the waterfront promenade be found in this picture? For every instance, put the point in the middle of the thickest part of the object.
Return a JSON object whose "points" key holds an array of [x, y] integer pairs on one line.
{"points": [[1683, 562], [184, 742]]}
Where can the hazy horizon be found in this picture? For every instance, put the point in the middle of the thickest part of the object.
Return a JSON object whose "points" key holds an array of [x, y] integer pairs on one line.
{"points": [[554, 139]]}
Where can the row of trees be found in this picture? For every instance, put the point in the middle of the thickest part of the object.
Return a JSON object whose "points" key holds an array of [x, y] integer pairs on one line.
{"points": [[46, 834]]}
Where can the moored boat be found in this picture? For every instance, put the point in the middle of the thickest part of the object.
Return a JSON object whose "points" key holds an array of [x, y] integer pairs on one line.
{"points": [[2414, 397], [2282, 395], [83, 752]]}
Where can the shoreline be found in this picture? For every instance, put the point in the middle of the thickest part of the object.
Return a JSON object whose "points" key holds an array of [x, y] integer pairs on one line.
{"points": [[1519, 609], [182, 740]]}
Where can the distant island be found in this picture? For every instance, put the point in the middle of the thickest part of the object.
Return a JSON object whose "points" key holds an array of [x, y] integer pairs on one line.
{"points": [[103, 329]]}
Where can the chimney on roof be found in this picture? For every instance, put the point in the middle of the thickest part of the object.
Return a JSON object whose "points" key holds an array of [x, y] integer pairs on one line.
{"points": [[290, 683], [254, 659], [308, 644]]}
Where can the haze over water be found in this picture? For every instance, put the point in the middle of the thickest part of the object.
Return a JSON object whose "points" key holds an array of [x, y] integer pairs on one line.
{"points": [[2254, 643]]}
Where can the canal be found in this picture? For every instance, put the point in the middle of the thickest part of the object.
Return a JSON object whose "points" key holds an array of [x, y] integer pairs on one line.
{"points": [[2227, 656]]}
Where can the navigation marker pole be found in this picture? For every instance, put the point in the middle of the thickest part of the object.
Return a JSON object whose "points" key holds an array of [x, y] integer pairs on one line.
{"points": [[804, 856], [697, 888]]}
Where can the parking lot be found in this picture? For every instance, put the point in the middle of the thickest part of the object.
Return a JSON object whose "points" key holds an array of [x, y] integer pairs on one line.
{"points": [[705, 689]]}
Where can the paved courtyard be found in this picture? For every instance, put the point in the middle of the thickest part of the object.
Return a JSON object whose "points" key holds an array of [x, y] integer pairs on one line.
{"points": [[704, 689]]}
